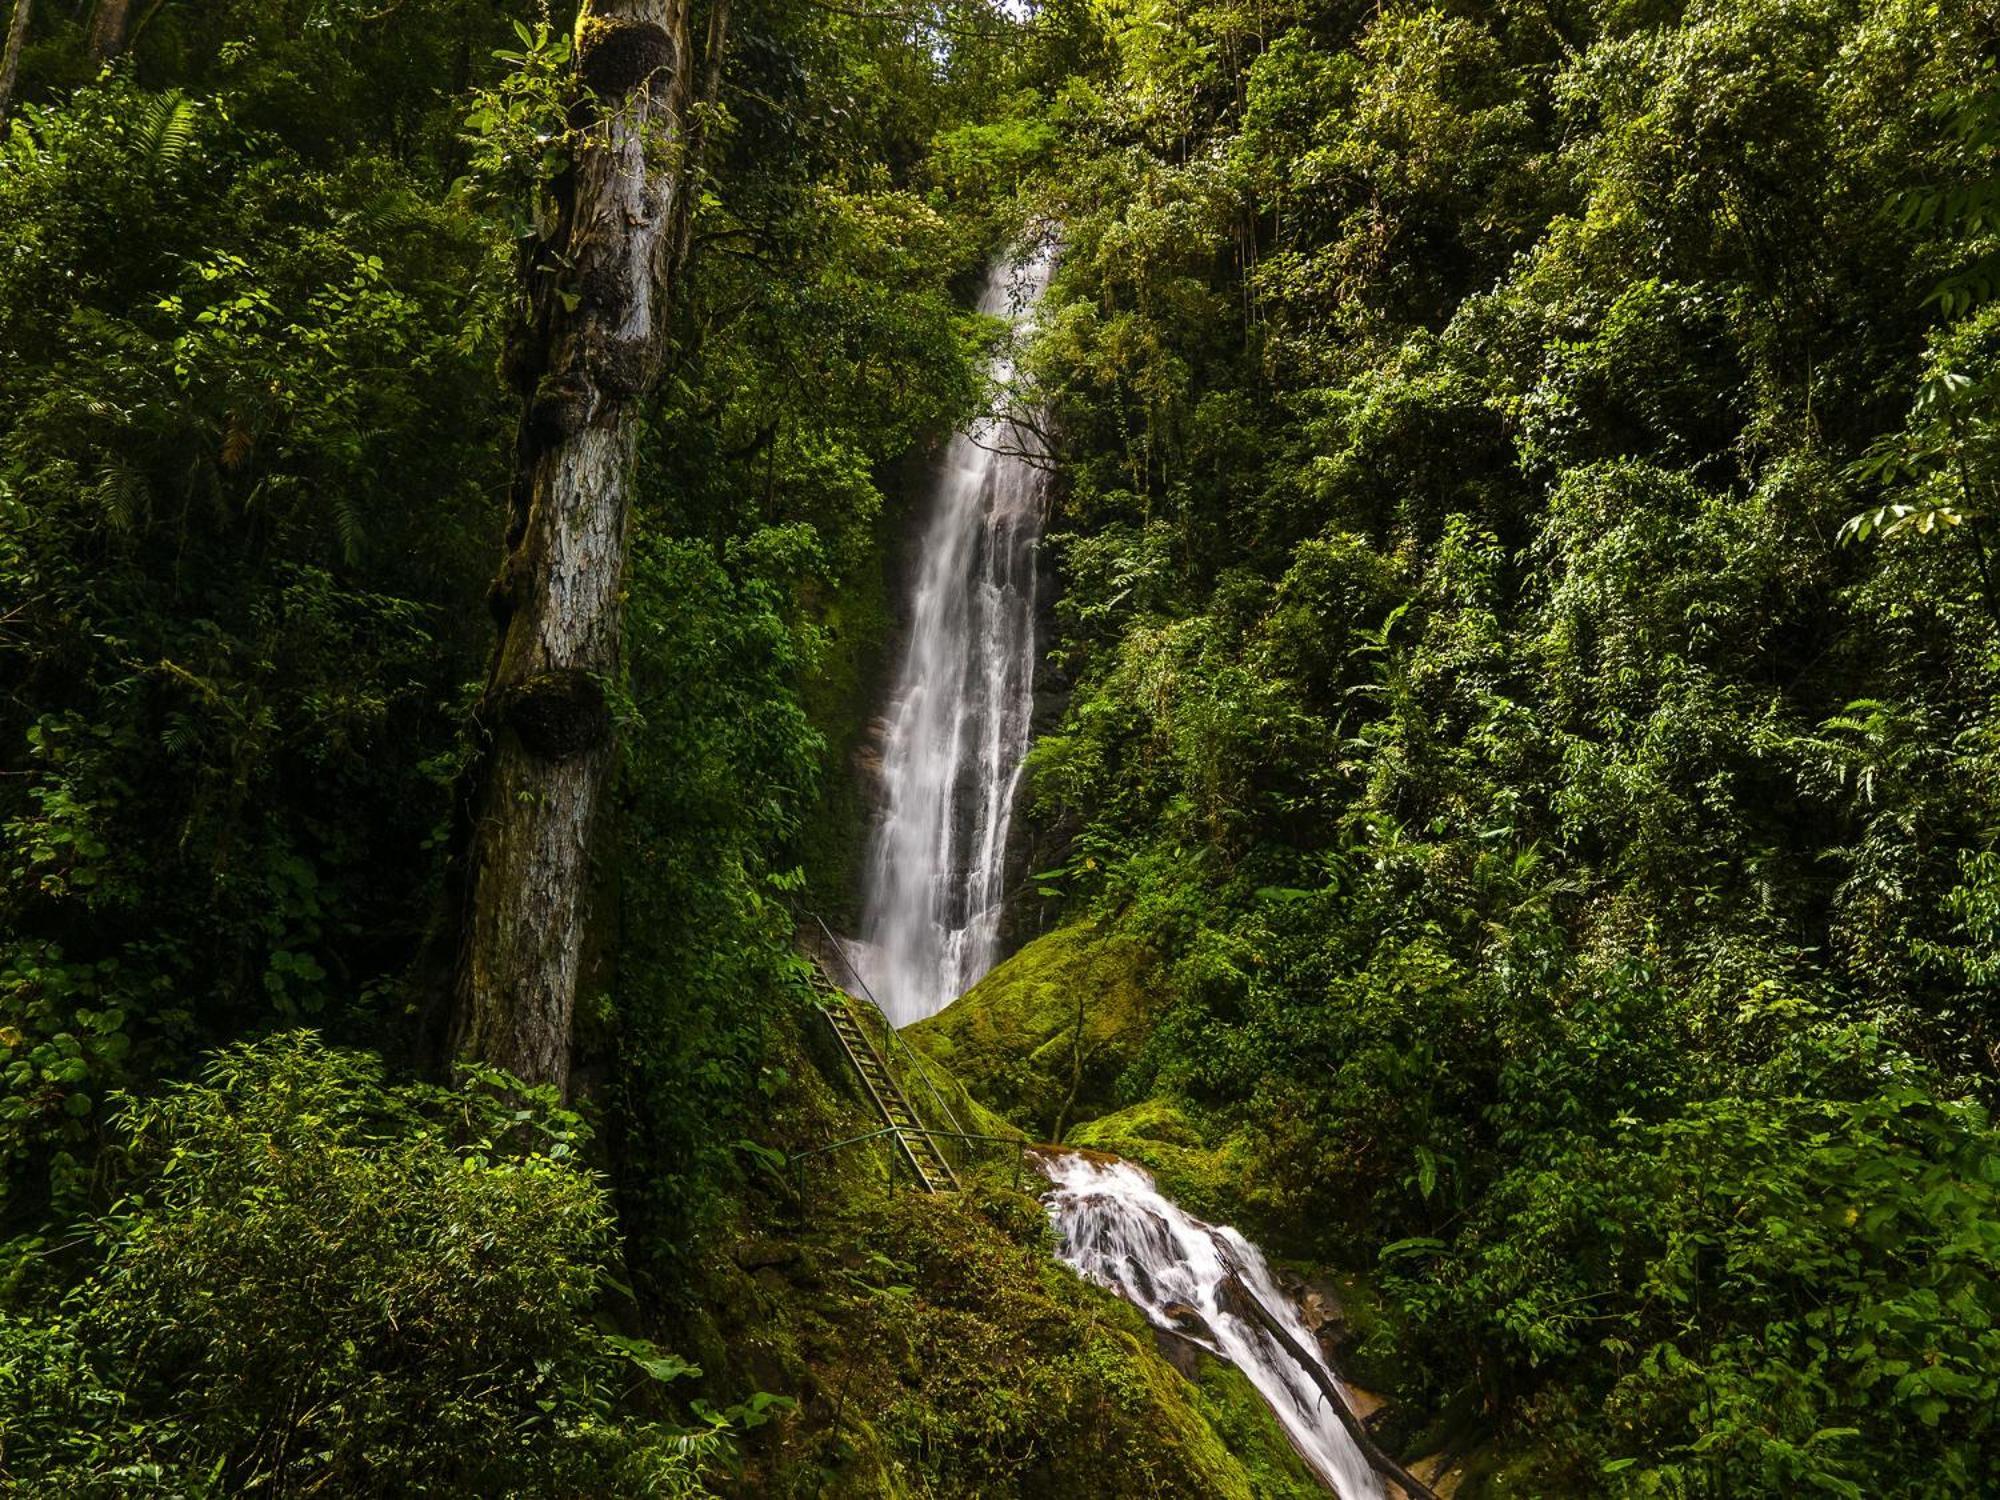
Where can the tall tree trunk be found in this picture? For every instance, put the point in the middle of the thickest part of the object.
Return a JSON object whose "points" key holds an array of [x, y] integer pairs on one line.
{"points": [[10, 60], [590, 349], [107, 29]]}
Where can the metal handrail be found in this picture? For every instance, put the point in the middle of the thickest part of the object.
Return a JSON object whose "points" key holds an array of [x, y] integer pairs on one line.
{"points": [[972, 1135], [1021, 1144], [793, 1158], [1022, 1141], [894, 1036]]}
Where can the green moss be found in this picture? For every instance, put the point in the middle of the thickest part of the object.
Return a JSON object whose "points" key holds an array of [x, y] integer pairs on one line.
{"points": [[1243, 1422], [1043, 1039], [1209, 1180], [936, 1347]]}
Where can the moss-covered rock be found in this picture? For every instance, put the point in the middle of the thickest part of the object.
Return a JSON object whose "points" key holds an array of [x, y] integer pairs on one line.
{"points": [[1241, 1419], [1360, 1332], [1210, 1178], [935, 1347], [1043, 1039]]}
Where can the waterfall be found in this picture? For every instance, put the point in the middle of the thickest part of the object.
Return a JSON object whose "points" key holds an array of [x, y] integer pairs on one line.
{"points": [[958, 720], [958, 726], [1187, 1276]]}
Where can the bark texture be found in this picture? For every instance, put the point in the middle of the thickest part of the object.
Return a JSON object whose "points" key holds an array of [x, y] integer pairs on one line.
{"points": [[589, 347], [107, 29], [10, 60]]}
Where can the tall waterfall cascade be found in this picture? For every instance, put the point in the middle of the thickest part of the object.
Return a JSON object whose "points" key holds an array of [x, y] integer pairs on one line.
{"points": [[959, 717], [957, 731], [1187, 1277]]}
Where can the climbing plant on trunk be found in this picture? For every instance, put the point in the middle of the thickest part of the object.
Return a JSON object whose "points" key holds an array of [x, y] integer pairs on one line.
{"points": [[589, 348]]}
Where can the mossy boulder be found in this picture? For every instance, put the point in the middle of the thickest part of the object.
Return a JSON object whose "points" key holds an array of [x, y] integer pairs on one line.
{"points": [[934, 1347], [1043, 1039], [1211, 1177]]}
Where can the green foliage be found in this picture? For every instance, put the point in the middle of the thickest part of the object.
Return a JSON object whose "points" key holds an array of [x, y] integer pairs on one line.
{"points": [[242, 466], [1570, 866], [518, 129], [1850, 1243], [1565, 873], [821, 344], [1970, 207], [314, 1279], [253, 456]]}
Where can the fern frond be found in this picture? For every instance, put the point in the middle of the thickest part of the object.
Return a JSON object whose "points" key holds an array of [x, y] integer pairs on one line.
{"points": [[175, 134], [347, 526], [162, 130], [387, 213], [121, 495]]}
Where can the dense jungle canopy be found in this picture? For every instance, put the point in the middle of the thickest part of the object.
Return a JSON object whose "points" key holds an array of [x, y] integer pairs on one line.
{"points": [[1511, 822]]}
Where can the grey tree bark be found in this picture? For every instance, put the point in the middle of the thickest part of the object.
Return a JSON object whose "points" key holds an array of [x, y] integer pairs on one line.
{"points": [[10, 60], [588, 351]]}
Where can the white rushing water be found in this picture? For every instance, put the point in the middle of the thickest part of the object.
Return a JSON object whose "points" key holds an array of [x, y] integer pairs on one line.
{"points": [[1185, 1275], [958, 721]]}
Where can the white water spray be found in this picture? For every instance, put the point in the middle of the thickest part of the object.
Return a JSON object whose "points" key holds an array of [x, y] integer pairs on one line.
{"points": [[958, 723], [1187, 1276]]}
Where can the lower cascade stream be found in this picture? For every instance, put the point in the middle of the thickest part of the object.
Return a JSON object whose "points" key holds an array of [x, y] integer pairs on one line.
{"points": [[1191, 1278]]}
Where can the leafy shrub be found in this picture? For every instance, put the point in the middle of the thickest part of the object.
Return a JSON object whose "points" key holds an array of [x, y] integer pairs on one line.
{"points": [[321, 1281]]}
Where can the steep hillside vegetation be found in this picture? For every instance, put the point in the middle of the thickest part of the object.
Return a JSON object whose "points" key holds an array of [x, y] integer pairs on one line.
{"points": [[1527, 578], [1515, 828]]}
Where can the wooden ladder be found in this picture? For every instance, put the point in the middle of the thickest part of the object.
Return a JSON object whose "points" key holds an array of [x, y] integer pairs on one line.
{"points": [[919, 1149]]}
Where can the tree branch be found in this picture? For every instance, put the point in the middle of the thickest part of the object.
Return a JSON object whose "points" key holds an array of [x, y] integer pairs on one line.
{"points": [[1378, 1460]]}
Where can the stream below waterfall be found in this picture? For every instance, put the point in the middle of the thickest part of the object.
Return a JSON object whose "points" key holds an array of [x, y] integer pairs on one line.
{"points": [[1188, 1277]]}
